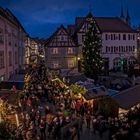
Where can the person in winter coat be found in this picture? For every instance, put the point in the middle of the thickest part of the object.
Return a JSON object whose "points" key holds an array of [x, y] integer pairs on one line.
{"points": [[88, 119], [42, 127]]}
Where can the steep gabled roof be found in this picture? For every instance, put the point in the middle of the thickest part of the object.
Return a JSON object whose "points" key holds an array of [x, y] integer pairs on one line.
{"points": [[71, 29], [79, 22], [41, 41], [105, 24], [15, 19], [60, 30], [7, 14], [113, 24]]}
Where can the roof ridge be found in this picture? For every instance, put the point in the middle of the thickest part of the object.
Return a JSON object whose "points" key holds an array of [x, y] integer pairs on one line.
{"points": [[125, 91], [107, 17], [65, 29]]}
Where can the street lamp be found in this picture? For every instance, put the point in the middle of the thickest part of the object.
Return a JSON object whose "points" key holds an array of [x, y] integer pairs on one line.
{"points": [[78, 58], [79, 64]]}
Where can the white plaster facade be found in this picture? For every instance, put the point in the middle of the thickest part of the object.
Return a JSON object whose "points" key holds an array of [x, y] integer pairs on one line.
{"points": [[118, 42], [119, 48], [12, 38]]}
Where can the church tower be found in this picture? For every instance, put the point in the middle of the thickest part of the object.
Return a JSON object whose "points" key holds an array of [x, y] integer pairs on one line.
{"points": [[122, 17], [128, 19]]}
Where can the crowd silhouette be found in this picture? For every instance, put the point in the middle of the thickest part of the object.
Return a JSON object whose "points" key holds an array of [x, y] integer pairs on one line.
{"points": [[49, 112]]}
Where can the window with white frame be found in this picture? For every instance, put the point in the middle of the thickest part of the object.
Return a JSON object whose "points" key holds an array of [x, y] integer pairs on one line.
{"points": [[106, 49], [1, 36], [55, 51], [133, 36], [106, 37], [116, 48], [112, 37], [111, 49], [70, 63], [55, 64], [70, 51], [16, 58], [133, 48], [131, 61], [9, 39], [119, 37], [2, 78], [119, 48], [10, 58], [1, 59], [129, 36], [126, 48], [124, 36], [116, 62]]}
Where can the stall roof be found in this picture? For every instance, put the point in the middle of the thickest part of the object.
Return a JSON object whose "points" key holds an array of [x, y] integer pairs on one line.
{"points": [[128, 98], [9, 96], [96, 92]]}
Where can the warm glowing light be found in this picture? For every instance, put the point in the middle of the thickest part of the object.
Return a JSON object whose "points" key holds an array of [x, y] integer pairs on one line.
{"points": [[17, 120], [42, 56], [78, 58]]}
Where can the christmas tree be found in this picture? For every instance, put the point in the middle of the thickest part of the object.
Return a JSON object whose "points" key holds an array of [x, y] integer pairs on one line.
{"points": [[92, 60]]}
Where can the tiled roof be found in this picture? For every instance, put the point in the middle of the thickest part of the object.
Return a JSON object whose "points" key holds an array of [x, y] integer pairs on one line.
{"points": [[7, 14], [113, 24], [55, 34], [105, 24], [79, 20], [71, 29], [96, 92], [41, 41], [128, 98]]}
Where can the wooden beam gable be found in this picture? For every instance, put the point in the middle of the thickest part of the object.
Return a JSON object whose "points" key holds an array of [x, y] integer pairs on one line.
{"points": [[61, 39]]}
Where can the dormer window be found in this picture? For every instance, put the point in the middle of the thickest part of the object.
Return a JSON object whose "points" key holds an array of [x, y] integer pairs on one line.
{"points": [[62, 38]]}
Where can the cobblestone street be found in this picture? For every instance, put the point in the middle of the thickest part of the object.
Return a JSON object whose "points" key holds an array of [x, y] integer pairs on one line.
{"points": [[89, 135]]}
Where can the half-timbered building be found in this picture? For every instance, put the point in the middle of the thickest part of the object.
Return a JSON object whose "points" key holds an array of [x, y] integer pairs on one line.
{"points": [[119, 40], [61, 50]]}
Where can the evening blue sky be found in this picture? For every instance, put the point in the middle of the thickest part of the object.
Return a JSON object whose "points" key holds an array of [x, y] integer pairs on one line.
{"points": [[41, 18]]}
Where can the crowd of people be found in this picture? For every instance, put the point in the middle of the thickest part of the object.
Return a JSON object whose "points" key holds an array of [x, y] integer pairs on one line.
{"points": [[49, 112], [61, 119], [8, 130], [128, 127]]}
